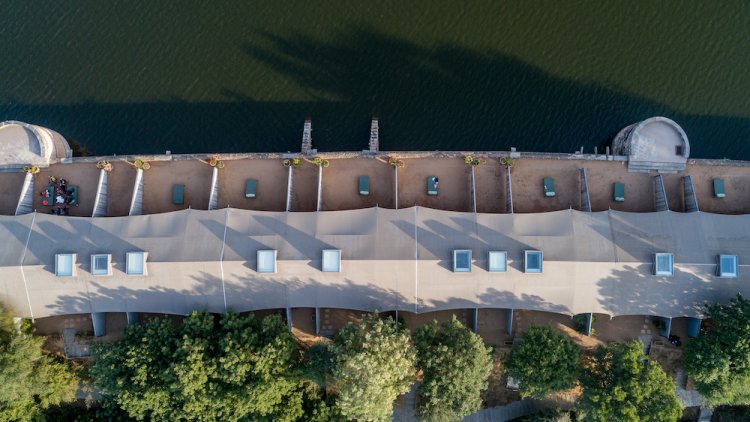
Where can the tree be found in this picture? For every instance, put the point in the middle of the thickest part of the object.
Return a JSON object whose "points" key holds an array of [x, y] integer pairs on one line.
{"points": [[31, 380], [544, 361], [372, 363], [456, 365], [208, 369], [621, 384], [719, 359]]}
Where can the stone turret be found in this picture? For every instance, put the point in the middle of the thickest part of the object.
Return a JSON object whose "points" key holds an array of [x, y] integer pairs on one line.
{"points": [[657, 143], [23, 144]]}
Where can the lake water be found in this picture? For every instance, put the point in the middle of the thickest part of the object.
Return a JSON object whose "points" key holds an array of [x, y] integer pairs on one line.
{"points": [[195, 76]]}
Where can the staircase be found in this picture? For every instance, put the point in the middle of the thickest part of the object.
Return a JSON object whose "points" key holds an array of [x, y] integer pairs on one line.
{"points": [[26, 199], [660, 195], [691, 201], [136, 203], [101, 202], [374, 136], [307, 137]]}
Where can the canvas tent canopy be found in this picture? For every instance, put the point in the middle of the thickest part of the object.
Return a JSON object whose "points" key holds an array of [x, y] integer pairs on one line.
{"points": [[390, 259]]}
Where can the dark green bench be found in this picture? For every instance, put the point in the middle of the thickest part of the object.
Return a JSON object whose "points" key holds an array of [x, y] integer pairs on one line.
{"points": [[432, 186], [364, 185], [549, 187], [719, 191], [619, 192], [178, 194], [251, 187]]}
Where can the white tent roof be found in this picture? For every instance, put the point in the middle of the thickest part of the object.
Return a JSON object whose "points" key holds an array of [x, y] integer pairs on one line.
{"points": [[391, 259]]}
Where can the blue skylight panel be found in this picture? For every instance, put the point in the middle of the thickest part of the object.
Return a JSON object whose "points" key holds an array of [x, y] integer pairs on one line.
{"points": [[663, 264], [100, 264], [728, 266], [135, 263], [331, 260], [64, 264], [532, 262], [462, 260], [266, 261], [498, 261]]}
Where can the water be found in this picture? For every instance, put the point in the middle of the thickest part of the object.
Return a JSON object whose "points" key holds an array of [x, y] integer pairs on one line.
{"points": [[144, 76]]}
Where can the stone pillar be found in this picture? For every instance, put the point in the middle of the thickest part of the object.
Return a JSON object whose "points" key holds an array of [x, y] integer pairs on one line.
{"points": [[509, 321], [133, 317], [289, 318], [317, 321], [99, 321]]}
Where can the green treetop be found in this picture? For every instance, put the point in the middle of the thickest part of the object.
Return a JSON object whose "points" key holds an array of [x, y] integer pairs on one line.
{"points": [[621, 384], [719, 359], [456, 365], [372, 363], [209, 369], [543, 362], [31, 381]]}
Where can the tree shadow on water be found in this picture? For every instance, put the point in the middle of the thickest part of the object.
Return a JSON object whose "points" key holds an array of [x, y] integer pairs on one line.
{"points": [[428, 98]]}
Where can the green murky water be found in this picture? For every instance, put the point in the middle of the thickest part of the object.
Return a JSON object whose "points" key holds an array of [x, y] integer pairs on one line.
{"points": [[147, 76]]}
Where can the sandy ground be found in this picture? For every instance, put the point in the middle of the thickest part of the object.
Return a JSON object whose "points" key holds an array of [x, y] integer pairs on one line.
{"points": [[341, 184], [83, 175], [736, 186], [54, 326], [527, 176], [602, 175], [159, 179], [489, 181], [333, 320], [454, 184], [305, 187], [497, 393], [621, 328], [120, 180], [10, 191], [272, 184], [491, 325]]}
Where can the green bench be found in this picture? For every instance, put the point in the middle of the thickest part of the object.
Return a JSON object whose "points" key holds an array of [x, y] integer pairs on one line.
{"points": [[549, 187], [364, 185], [432, 186], [719, 188], [251, 187], [178, 194], [619, 192]]}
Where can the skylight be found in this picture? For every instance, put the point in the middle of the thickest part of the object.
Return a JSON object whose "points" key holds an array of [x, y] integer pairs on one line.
{"points": [[728, 266], [266, 261], [498, 261], [331, 260], [663, 264], [64, 264], [462, 261], [100, 264], [135, 263], [532, 261]]}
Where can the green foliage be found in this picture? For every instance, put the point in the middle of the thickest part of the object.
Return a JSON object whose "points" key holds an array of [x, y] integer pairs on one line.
{"points": [[623, 385], [548, 415], [719, 359], [372, 364], [210, 370], [456, 365], [544, 361], [31, 381]]}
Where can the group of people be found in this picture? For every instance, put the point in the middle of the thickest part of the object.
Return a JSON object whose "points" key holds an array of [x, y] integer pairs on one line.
{"points": [[56, 195]]}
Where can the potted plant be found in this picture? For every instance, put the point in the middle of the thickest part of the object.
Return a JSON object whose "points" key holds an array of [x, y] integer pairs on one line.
{"points": [[396, 162], [141, 164], [31, 169], [104, 165]]}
